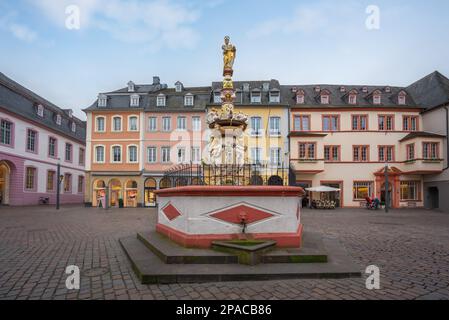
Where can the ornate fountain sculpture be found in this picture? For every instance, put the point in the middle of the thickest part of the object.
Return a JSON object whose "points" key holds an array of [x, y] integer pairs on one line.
{"points": [[226, 145]]}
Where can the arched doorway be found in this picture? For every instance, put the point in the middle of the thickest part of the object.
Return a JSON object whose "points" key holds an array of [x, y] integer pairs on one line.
{"points": [[256, 181], [131, 192], [115, 191], [390, 194], [275, 181], [165, 183], [99, 194], [150, 196], [5, 174]]}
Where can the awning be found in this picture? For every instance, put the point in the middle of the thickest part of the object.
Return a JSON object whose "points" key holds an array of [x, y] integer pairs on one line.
{"points": [[322, 189]]}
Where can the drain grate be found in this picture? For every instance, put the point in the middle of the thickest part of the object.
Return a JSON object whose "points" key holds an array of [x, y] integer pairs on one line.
{"points": [[95, 272]]}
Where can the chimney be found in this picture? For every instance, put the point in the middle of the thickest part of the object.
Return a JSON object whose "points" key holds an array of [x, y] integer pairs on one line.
{"points": [[156, 80]]}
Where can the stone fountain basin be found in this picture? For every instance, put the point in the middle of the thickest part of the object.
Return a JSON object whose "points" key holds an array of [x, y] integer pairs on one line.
{"points": [[249, 251]]}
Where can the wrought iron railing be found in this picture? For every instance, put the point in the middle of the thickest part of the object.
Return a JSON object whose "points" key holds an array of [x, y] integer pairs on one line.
{"points": [[226, 175]]}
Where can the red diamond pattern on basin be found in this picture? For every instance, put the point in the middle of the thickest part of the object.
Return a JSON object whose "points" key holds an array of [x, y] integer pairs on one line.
{"points": [[234, 214], [171, 212]]}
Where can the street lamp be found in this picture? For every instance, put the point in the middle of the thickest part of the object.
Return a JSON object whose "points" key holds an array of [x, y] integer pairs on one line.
{"points": [[60, 177], [387, 195]]}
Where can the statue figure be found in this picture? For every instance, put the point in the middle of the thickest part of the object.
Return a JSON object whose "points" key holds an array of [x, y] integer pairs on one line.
{"points": [[229, 151], [215, 146], [212, 116], [239, 147], [228, 110], [229, 52]]}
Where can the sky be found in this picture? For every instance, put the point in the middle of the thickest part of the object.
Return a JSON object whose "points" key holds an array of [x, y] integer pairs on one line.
{"points": [[68, 51]]}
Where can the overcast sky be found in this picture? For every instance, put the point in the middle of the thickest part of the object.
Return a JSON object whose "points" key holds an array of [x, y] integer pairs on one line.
{"points": [[296, 42]]}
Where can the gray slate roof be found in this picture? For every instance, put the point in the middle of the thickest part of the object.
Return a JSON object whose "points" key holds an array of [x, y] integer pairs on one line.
{"points": [[422, 134], [19, 100], [431, 91]]}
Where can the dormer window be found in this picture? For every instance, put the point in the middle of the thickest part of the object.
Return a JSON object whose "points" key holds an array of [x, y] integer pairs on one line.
{"points": [[217, 96], [178, 86], [325, 97], [58, 119], [160, 100], [266, 87], [102, 101], [73, 126], [352, 98], [300, 97], [135, 98], [246, 87], [275, 96], [377, 98], [188, 100], [317, 89], [256, 96], [342, 89], [131, 86], [401, 98], [70, 112], [365, 89], [40, 110], [387, 89]]}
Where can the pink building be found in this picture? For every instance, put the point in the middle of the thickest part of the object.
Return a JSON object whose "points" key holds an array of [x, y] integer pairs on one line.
{"points": [[36, 135]]}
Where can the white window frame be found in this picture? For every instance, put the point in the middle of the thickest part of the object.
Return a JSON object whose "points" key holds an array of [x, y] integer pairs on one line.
{"points": [[278, 132], [377, 99], [95, 153], [148, 154], [165, 150], [256, 155], [189, 100], [169, 124], [177, 123], [195, 151], [112, 123], [128, 153], [149, 124], [279, 155], [96, 123], [58, 119], [217, 97], [276, 98], [181, 159], [161, 100], [73, 126], [196, 119], [137, 122], [253, 132], [40, 110], [112, 153], [256, 98], [102, 101], [134, 100]]}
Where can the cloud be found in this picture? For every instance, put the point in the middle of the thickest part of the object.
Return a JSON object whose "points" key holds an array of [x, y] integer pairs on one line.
{"points": [[22, 32], [156, 23]]}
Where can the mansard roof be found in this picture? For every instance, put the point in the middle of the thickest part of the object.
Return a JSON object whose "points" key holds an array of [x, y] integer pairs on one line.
{"points": [[430, 91], [21, 101]]}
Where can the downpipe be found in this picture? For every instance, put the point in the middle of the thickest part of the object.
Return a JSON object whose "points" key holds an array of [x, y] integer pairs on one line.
{"points": [[447, 138]]}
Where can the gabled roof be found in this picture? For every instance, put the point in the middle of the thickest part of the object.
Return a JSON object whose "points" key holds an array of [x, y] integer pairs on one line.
{"points": [[19, 100], [430, 91]]}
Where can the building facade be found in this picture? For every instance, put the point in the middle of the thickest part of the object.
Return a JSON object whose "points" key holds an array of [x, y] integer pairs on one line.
{"points": [[36, 135]]}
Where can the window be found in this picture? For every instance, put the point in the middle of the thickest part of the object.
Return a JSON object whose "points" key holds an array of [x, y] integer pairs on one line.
{"points": [[117, 124], [30, 178], [165, 154], [352, 98], [40, 111], [410, 151], [410, 123], [31, 141], [256, 155], [81, 157], [133, 123], [67, 182], [73, 126], [275, 126], [151, 155], [324, 98], [178, 86], [6, 131], [430, 150], [410, 190], [377, 98], [386, 153], [195, 157], [100, 124], [166, 124], [301, 123], [275, 96], [360, 153], [386, 122], [307, 150], [256, 126], [116, 154], [362, 190], [331, 153], [80, 184], [134, 100], [58, 119], [181, 153], [331, 122], [68, 152], [217, 97], [52, 147], [196, 123], [102, 101], [188, 100], [256, 96], [152, 124], [160, 100], [51, 180], [275, 156], [300, 97], [181, 123], [99, 154], [132, 154], [402, 98], [130, 86], [360, 122]]}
